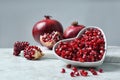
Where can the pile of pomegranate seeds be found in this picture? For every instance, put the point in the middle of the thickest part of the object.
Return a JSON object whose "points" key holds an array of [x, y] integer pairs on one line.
{"points": [[90, 47], [81, 72]]}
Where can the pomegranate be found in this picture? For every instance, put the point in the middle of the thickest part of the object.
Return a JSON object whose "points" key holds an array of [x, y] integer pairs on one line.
{"points": [[73, 30], [32, 53], [49, 39], [89, 47], [45, 26], [19, 46]]}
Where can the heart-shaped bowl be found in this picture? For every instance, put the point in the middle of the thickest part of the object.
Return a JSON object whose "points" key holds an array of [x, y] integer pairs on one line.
{"points": [[78, 63]]}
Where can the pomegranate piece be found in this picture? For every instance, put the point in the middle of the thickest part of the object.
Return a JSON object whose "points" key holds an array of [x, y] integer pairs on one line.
{"points": [[46, 25], [63, 70], [49, 39], [19, 46], [32, 53], [89, 47]]}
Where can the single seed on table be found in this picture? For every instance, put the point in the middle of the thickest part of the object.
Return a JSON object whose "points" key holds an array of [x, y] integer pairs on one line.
{"points": [[63, 70]]}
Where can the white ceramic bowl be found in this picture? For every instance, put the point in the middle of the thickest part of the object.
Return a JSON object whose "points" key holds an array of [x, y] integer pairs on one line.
{"points": [[77, 63]]}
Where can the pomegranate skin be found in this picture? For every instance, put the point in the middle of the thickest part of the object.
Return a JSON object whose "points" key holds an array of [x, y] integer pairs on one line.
{"points": [[46, 25], [72, 30]]}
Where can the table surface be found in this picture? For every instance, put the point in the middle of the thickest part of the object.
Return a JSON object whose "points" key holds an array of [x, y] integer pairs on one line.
{"points": [[48, 68]]}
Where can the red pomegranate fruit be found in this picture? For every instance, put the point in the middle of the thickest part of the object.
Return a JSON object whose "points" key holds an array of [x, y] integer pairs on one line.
{"points": [[73, 30], [46, 26], [19, 46], [32, 53], [49, 39]]}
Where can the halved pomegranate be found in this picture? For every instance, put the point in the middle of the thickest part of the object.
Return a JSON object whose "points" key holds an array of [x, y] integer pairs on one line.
{"points": [[49, 39], [46, 26]]}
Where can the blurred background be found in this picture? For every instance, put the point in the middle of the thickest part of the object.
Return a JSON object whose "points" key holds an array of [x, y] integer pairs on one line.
{"points": [[17, 17]]}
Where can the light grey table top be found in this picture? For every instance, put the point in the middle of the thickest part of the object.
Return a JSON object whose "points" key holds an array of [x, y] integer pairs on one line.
{"points": [[18, 68]]}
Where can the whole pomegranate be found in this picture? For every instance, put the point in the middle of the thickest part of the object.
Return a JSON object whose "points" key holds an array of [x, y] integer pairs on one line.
{"points": [[46, 26], [73, 30]]}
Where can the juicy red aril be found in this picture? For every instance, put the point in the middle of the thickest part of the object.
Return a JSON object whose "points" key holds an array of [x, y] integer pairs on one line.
{"points": [[68, 65], [63, 70], [77, 74], [100, 70], [74, 69], [90, 47], [93, 71], [72, 74], [83, 73]]}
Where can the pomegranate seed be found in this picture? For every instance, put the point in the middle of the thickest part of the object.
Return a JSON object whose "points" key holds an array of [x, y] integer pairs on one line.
{"points": [[74, 69], [81, 60], [77, 73], [83, 73], [100, 70], [72, 74], [63, 70], [93, 71], [68, 65]]}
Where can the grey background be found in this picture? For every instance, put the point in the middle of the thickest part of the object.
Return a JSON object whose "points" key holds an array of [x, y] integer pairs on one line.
{"points": [[17, 17]]}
